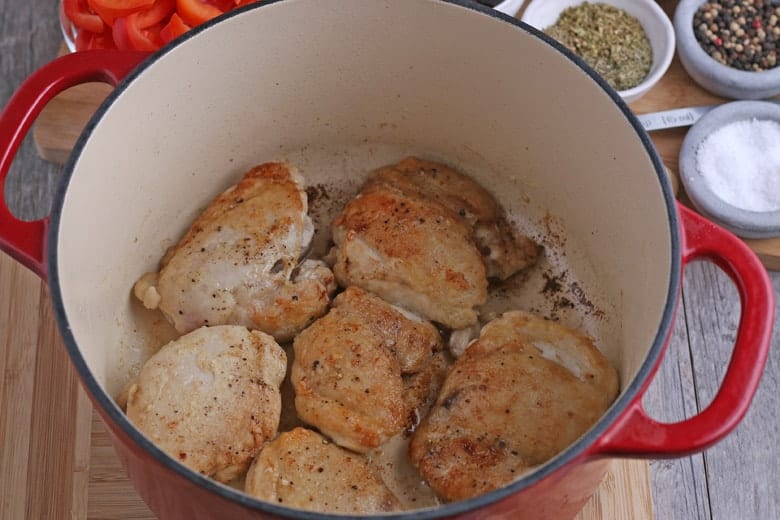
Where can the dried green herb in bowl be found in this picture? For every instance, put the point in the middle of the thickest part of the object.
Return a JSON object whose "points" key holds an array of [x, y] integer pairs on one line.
{"points": [[609, 39]]}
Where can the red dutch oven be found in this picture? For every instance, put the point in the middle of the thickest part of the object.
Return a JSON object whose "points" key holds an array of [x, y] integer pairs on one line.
{"points": [[338, 88]]}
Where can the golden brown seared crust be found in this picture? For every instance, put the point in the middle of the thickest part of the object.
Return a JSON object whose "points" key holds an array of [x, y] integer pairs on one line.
{"points": [[301, 469], [505, 251], [438, 182], [410, 338], [273, 176], [423, 236], [421, 388], [349, 367], [210, 399], [411, 253], [294, 306], [519, 395], [239, 262]]}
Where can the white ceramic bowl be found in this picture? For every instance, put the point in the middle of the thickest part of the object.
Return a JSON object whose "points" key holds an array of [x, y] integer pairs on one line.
{"points": [[510, 7], [544, 13], [718, 78]]}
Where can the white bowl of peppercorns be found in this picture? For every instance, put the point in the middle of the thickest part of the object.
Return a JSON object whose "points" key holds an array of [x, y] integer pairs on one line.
{"points": [[731, 47], [629, 43]]}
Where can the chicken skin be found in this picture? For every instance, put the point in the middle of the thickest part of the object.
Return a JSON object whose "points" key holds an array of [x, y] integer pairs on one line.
{"points": [[210, 399], [504, 251], [239, 263], [352, 368], [301, 469], [524, 391], [423, 236]]}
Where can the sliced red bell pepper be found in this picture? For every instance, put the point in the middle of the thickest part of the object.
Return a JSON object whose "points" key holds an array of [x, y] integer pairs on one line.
{"points": [[129, 36], [174, 28], [160, 11], [79, 13], [110, 10], [222, 5], [196, 12], [87, 40], [102, 41], [123, 5], [82, 39]]}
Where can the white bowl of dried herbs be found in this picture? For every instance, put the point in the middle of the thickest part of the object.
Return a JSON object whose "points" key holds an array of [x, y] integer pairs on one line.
{"points": [[629, 43], [731, 47]]}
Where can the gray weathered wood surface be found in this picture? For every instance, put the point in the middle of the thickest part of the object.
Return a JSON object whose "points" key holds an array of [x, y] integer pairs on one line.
{"points": [[737, 479]]}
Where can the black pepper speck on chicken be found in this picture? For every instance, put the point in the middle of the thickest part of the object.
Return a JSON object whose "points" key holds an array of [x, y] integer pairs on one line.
{"points": [[526, 389], [211, 398], [426, 237], [361, 371], [240, 263], [303, 470]]}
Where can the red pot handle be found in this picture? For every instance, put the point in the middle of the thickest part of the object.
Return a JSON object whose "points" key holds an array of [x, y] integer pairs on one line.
{"points": [[25, 241], [638, 435]]}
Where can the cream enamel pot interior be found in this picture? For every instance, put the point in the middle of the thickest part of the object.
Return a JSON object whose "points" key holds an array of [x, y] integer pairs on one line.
{"points": [[338, 88]]}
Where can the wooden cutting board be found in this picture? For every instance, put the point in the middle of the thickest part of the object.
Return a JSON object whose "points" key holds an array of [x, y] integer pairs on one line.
{"points": [[56, 459]]}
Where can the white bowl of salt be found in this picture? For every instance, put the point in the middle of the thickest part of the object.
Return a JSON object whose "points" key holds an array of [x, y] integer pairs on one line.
{"points": [[730, 167]]}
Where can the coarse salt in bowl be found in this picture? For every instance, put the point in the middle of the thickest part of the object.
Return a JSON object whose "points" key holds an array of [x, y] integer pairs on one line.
{"points": [[716, 77], [541, 14], [730, 167]]}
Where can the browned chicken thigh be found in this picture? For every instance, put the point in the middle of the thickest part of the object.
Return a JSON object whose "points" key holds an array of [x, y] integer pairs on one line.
{"points": [[239, 263], [211, 398], [505, 252], [525, 390], [350, 368], [301, 469], [426, 237]]}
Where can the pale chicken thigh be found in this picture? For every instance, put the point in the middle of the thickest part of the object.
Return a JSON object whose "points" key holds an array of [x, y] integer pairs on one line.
{"points": [[425, 237], [210, 399], [240, 262], [521, 393], [350, 368], [303, 470]]}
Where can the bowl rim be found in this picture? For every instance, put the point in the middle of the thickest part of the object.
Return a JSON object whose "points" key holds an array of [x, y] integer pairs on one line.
{"points": [[509, 7], [742, 222], [583, 449], [663, 54]]}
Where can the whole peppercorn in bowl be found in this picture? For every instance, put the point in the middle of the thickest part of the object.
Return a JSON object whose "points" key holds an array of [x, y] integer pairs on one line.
{"points": [[731, 47]]}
